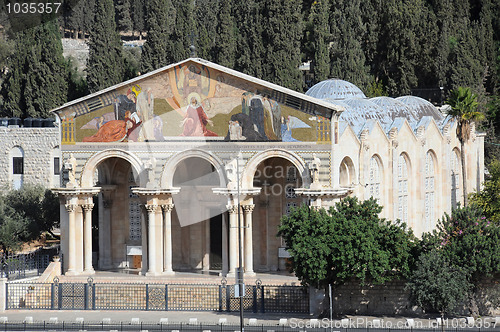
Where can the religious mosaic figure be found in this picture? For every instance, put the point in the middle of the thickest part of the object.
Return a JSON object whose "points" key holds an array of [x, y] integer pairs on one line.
{"points": [[195, 120]]}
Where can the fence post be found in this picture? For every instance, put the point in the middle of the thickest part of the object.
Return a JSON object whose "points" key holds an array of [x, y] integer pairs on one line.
{"points": [[4, 294], [52, 294], [86, 297], [220, 297], [93, 296], [147, 297], [262, 298], [166, 297], [254, 289], [228, 297], [59, 296]]}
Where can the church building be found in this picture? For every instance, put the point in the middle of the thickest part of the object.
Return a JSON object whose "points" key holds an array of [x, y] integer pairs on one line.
{"points": [[160, 170]]}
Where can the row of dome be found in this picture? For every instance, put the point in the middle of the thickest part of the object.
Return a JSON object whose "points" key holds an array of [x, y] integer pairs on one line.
{"points": [[359, 109]]}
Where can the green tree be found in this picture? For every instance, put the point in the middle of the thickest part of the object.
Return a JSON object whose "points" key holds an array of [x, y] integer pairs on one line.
{"points": [[12, 228], [464, 110], [123, 19], [138, 17], [468, 241], [184, 31], [105, 65], [36, 78], [349, 241], [487, 198], [206, 17], [226, 38], [160, 24], [318, 37], [436, 284], [282, 35]]}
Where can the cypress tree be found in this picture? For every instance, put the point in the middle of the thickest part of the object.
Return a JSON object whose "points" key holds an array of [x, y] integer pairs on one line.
{"points": [[185, 31], [250, 50], [226, 39], [346, 55], [105, 65], [282, 35], [160, 23], [205, 13], [36, 80], [319, 39], [138, 17], [123, 19]]}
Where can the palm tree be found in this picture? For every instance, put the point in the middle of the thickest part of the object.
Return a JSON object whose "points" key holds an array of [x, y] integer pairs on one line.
{"points": [[464, 110]]}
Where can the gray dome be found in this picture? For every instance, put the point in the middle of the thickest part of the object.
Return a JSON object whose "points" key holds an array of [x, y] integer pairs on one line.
{"points": [[395, 109], [335, 88], [421, 107], [360, 110]]}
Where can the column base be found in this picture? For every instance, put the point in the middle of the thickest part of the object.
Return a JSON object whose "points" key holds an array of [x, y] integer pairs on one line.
{"points": [[88, 272], [249, 274], [71, 273], [168, 273], [152, 274]]}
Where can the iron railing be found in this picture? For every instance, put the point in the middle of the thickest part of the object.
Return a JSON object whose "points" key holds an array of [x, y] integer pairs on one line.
{"points": [[155, 296], [20, 266]]}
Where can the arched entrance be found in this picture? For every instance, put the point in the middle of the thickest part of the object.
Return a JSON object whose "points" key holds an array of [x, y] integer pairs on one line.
{"points": [[198, 222], [119, 221], [278, 178]]}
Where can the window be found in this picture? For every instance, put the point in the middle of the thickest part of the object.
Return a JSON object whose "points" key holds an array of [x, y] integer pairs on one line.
{"points": [[455, 179], [57, 167], [18, 165], [373, 187], [402, 189], [429, 191]]}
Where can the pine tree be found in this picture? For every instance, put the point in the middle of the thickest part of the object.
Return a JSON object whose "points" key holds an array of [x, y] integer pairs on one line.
{"points": [[282, 35], [105, 65], [36, 80], [123, 19], [160, 24], [226, 39]]}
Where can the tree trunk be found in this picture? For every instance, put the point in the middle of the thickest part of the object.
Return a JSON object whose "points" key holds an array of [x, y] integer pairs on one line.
{"points": [[464, 171]]}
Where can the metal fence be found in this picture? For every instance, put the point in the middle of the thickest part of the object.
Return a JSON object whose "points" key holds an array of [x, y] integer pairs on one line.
{"points": [[20, 266], [142, 296]]}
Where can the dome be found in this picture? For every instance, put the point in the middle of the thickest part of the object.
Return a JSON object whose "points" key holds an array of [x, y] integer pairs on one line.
{"points": [[358, 111], [335, 89], [396, 109], [421, 107]]}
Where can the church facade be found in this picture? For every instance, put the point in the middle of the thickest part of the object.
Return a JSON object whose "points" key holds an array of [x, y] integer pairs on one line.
{"points": [[165, 172]]}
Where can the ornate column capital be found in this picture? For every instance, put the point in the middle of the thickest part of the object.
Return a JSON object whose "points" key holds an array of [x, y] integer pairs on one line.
{"points": [[87, 207], [232, 209], [151, 207], [70, 207], [167, 207], [248, 208]]}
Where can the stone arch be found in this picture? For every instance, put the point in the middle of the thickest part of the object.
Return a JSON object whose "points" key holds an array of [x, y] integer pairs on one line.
{"points": [[253, 163], [347, 172], [86, 178], [167, 174]]}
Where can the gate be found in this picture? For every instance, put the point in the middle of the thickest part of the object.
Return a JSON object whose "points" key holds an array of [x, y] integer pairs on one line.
{"points": [[142, 296]]}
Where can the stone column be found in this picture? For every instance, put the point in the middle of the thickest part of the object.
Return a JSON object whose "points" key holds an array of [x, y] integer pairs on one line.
{"points": [[71, 208], [151, 208], [248, 239], [167, 238], [233, 237], [105, 232], [87, 238]]}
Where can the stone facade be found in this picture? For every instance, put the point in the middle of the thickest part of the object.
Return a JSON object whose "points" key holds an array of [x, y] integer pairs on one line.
{"points": [[38, 147]]}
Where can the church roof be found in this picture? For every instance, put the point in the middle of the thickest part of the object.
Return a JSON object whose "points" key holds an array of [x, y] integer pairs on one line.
{"points": [[288, 97], [335, 88], [420, 108]]}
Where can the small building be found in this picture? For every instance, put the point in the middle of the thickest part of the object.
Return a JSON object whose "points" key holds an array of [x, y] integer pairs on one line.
{"points": [[164, 172]]}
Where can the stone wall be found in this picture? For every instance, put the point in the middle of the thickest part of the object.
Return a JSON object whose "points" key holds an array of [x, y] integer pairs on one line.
{"points": [[392, 299], [39, 145]]}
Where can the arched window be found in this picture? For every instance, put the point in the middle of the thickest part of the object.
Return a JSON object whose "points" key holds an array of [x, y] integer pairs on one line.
{"points": [[374, 178], [346, 172], [429, 192], [402, 188], [455, 179]]}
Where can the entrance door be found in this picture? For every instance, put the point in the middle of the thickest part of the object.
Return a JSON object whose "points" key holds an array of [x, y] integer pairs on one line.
{"points": [[216, 242]]}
